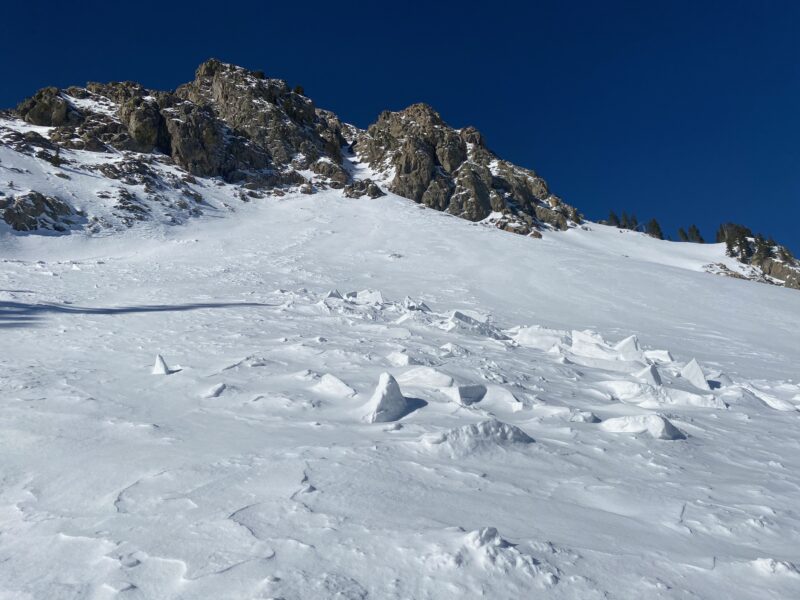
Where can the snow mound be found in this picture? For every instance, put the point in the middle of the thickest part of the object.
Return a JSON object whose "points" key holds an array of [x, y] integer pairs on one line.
{"points": [[485, 548], [655, 425], [478, 438], [387, 402]]}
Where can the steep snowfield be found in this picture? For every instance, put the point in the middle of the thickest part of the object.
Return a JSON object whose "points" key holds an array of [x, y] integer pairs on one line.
{"points": [[540, 450]]}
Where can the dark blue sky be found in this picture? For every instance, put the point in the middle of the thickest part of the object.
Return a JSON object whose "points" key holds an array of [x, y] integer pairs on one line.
{"points": [[686, 111]]}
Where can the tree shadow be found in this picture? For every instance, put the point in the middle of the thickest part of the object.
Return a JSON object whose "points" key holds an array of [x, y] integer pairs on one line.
{"points": [[22, 314]]}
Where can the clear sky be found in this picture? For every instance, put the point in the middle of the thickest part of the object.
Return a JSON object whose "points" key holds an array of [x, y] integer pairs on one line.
{"points": [[683, 111]]}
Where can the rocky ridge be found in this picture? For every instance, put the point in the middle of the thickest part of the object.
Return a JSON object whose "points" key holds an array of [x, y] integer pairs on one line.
{"points": [[240, 128]]}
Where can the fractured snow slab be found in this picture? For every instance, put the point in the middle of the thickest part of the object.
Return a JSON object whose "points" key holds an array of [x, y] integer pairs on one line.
{"points": [[694, 375]]}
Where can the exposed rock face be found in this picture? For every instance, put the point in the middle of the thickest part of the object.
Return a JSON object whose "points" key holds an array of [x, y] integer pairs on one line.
{"points": [[789, 274], [282, 123], [453, 170], [251, 130], [32, 210], [49, 107]]}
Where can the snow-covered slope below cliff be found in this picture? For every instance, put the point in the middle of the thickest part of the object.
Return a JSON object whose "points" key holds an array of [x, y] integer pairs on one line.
{"points": [[540, 451]]}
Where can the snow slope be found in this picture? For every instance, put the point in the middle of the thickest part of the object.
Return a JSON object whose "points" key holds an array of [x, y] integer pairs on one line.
{"points": [[251, 470]]}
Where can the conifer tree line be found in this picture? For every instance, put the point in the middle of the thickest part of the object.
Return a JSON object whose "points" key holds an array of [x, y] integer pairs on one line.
{"points": [[652, 227], [740, 242]]}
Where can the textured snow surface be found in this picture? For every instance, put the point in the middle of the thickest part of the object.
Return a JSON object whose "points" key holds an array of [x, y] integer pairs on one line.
{"points": [[246, 468]]}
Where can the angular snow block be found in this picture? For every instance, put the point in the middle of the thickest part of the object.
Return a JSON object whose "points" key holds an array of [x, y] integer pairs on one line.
{"points": [[629, 349], [387, 402], [467, 394], [650, 375], [160, 366], [694, 375]]}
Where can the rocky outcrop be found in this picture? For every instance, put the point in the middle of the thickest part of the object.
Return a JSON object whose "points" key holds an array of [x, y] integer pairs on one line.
{"points": [[255, 131], [783, 271], [48, 107], [454, 171], [31, 210], [363, 187]]}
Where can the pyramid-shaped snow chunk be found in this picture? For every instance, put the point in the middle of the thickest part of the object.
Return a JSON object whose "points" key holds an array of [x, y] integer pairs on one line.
{"points": [[387, 402], [629, 349], [694, 375], [657, 426], [160, 366], [479, 437], [650, 375]]}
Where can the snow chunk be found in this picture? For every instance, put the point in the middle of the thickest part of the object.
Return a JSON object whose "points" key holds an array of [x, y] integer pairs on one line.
{"points": [[650, 375], [467, 394], [388, 403], [538, 337], [400, 359], [215, 391], [694, 375], [659, 356], [460, 320], [371, 297], [331, 385], [160, 366], [629, 349], [657, 426], [479, 437]]}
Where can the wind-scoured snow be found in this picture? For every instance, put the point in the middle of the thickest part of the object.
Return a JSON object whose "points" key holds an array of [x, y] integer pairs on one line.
{"points": [[249, 468]]}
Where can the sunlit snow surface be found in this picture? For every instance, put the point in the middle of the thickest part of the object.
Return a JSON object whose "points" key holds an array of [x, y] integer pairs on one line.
{"points": [[251, 468]]}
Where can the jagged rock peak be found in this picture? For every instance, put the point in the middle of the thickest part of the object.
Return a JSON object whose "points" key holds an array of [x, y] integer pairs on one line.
{"points": [[452, 170]]}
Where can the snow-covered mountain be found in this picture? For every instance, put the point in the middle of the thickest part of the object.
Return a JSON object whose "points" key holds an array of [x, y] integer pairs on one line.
{"points": [[332, 395]]}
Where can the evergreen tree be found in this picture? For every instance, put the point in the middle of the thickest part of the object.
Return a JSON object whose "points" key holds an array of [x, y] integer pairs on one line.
{"points": [[682, 235], [625, 221], [613, 219], [653, 229], [694, 235], [634, 223]]}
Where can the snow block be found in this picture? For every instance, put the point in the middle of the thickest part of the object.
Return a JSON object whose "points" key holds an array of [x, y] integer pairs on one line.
{"points": [[694, 375], [467, 394], [160, 366], [655, 425], [629, 349], [650, 375], [387, 402]]}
